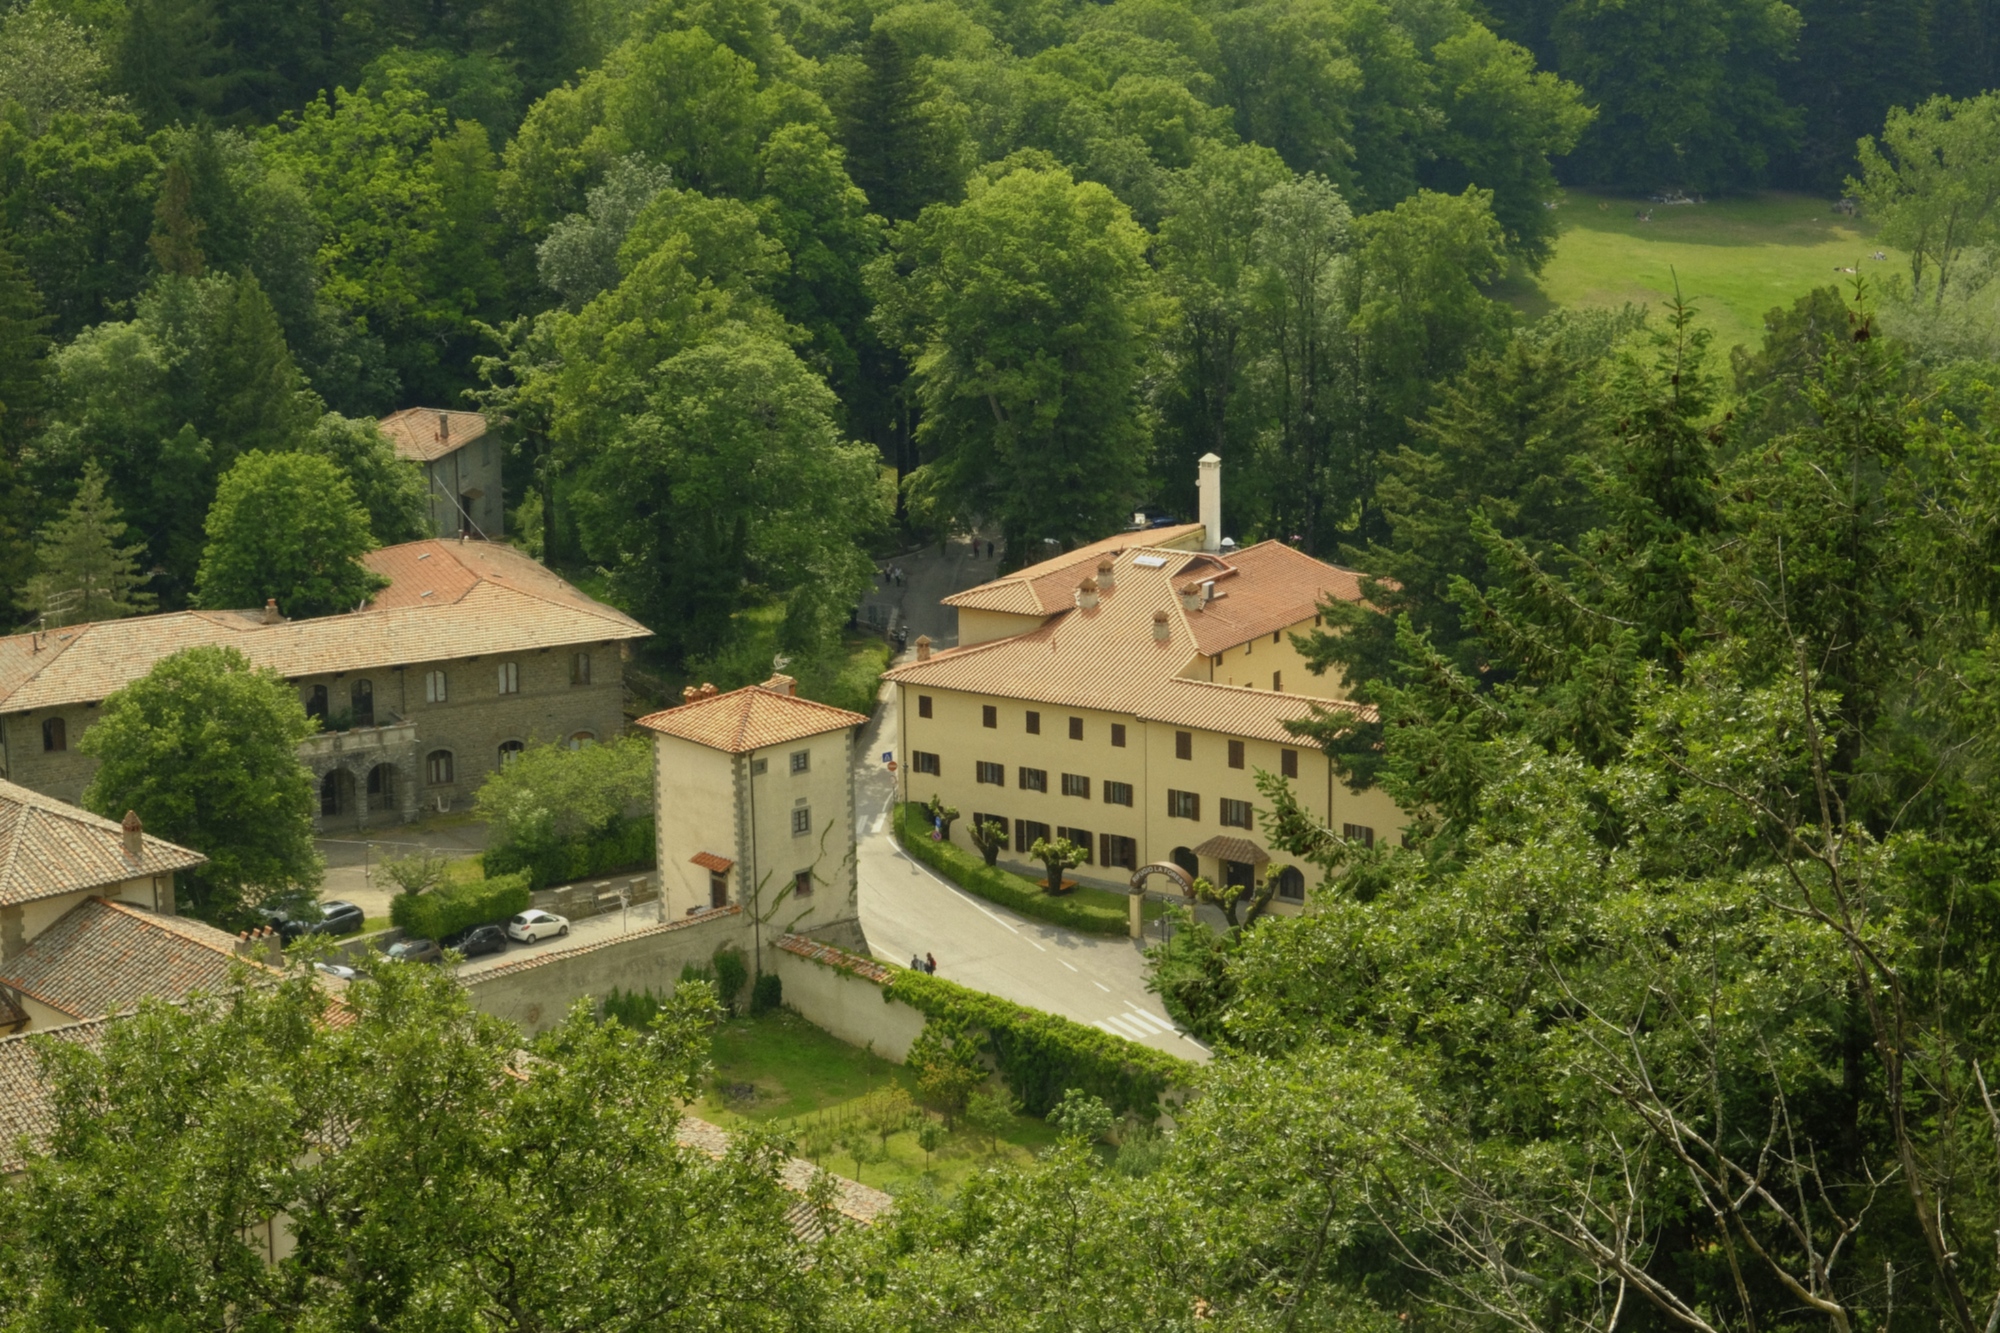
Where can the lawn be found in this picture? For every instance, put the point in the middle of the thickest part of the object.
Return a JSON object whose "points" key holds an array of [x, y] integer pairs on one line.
{"points": [[780, 1071], [1091, 910], [1734, 258]]}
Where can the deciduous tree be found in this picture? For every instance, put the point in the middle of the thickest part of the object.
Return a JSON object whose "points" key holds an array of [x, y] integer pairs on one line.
{"points": [[286, 527]]}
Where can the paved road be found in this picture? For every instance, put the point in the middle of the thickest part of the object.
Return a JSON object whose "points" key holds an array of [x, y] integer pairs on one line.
{"points": [[907, 910]]}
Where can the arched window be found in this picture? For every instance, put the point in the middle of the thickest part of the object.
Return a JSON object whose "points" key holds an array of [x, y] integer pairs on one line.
{"points": [[510, 751], [579, 669], [1186, 860], [1291, 885], [316, 702], [579, 739], [55, 734], [361, 697], [434, 687], [437, 768], [332, 788]]}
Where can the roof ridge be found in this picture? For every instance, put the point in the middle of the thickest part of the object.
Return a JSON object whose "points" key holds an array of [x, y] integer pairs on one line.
{"points": [[160, 920]]}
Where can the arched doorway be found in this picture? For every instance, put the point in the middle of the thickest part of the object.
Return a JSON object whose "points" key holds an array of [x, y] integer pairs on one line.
{"points": [[1291, 885], [336, 794], [1186, 860], [382, 787]]}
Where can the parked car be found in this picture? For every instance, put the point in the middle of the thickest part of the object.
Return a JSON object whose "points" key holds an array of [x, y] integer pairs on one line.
{"points": [[416, 951], [535, 924], [330, 918], [478, 940], [341, 970]]}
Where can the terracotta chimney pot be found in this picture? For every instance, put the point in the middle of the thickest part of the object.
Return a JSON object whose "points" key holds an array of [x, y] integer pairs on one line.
{"points": [[923, 647], [271, 616], [135, 835], [1191, 596], [1161, 633], [1107, 575], [1086, 595]]}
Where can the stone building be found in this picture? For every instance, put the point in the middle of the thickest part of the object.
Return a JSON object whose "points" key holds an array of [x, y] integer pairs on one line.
{"points": [[1127, 694], [755, 800], [461, 463], [472, 652]]}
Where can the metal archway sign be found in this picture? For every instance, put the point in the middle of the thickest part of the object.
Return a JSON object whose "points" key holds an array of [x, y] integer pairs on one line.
{"points": [[1139, 878]]}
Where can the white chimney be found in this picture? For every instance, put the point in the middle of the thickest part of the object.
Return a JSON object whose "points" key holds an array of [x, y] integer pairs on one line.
{"points": [[1107, 575], [1211, 502], [1086, 595], [1161, 633]]}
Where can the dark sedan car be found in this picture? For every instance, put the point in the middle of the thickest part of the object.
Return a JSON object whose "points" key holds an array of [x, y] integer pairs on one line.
{"points": [[479, 940], [329, 918], [416, 951]]}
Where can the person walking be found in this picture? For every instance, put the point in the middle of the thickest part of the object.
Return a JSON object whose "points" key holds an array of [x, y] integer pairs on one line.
{"points": [[930, 964], [916, 963]]}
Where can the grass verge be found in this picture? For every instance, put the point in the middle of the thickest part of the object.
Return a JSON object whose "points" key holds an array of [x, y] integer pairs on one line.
{"points": [[1735, 259], [1092, 911], [780, 1072]]}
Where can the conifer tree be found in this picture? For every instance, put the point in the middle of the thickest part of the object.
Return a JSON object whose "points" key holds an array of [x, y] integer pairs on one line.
{"points": [[23, 348], [255, 397], [83, 574], [897, 152]]}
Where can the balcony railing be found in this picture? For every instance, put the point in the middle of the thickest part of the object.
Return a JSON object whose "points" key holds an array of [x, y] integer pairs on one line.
{"points": [[359, 740]]}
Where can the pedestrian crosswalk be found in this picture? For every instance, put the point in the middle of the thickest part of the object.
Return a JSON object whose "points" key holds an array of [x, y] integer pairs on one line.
{"points": [[1136, 1024]]}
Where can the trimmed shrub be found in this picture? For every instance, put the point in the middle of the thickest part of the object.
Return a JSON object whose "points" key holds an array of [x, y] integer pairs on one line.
{"points": [[624, 844], [1092, 911], [457, 907], [1042, 1056], [731, 974], [767, 994], [635, 1009]]}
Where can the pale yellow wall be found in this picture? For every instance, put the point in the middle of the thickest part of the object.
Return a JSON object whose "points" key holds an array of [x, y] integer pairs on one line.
{"points": [[975, 626], [826, 789], [694, 787], [20, 924], [955, 732], [1253, 663]]}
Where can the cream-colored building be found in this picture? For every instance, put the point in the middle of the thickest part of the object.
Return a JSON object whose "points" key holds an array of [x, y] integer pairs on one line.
{"points": [[1125, 695], [756, 807]]}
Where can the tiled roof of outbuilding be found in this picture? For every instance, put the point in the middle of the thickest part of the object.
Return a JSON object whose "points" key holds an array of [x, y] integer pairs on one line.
{"points": [[426, 433], [1108, 658], [27, 1105], [49, 848], [446, 599], [103, 957], [749, 719], [1045, 588]]}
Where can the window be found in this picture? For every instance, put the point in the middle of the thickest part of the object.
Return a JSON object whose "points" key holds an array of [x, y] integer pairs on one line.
{"points": [[1248, 647], [510, 751], [923, 761], [802, 884], [1114, 850], [1236, 754], [759, 767], [1360, 833], [55, 734], [1274, 635], [1083, 838], [1034, 723], [989, 715], [1237, 814], [993, 773], [1027, 832], [510, 677], [1277, 682], [1076, 728], [923, 705], [1076, 784], [437, 768], [718, 889], [434, 687], [1291, 885], [579, 739], [802, 761], [802, 821], [1183, 745], [1288, 763], [361, 701], [1183, 805], [1034, 779], [1117, 793], [1118, 734], [579, 668], [316, 703], [382, 783]]}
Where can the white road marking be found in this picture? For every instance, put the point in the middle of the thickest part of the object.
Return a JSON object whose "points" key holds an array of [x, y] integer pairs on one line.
{"points": [[1065, 963], [1149, 1023], [1101, 986], [1117, 1026], [1038, 946], [876, 827]]}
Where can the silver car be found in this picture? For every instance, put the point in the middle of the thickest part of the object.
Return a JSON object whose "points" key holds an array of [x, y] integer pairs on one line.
{"points": [[535, 924]]}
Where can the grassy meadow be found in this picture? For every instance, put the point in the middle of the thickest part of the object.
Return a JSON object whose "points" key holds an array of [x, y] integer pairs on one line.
{"points": [[1734, 258]]}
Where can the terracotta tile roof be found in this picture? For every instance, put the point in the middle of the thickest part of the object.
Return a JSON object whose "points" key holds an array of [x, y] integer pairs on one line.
{"points": [[446, 599], [48, 848], [102, 957], [749, 719], [839, 959], [1233, 849], [27, 1102], [427, 433], [851, 1199], [1045, 588], [710, 861], [1108, 658]]}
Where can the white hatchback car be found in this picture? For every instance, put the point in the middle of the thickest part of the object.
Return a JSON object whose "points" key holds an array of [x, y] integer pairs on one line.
{"points": [[535, 924]]}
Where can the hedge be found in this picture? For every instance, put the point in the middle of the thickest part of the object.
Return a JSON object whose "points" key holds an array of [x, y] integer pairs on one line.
{"points": [[626, 844], [446, 911], [1092, 911], [1042, 1056]]}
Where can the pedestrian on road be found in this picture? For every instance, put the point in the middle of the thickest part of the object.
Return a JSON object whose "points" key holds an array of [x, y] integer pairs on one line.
{"points": [[916, 963], [930, 964]]}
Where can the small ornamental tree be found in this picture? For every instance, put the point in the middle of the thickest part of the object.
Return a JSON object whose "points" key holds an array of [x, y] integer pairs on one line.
{"points": [[941, 816], [990, 837], [1251, 901], [1058, 854]]}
